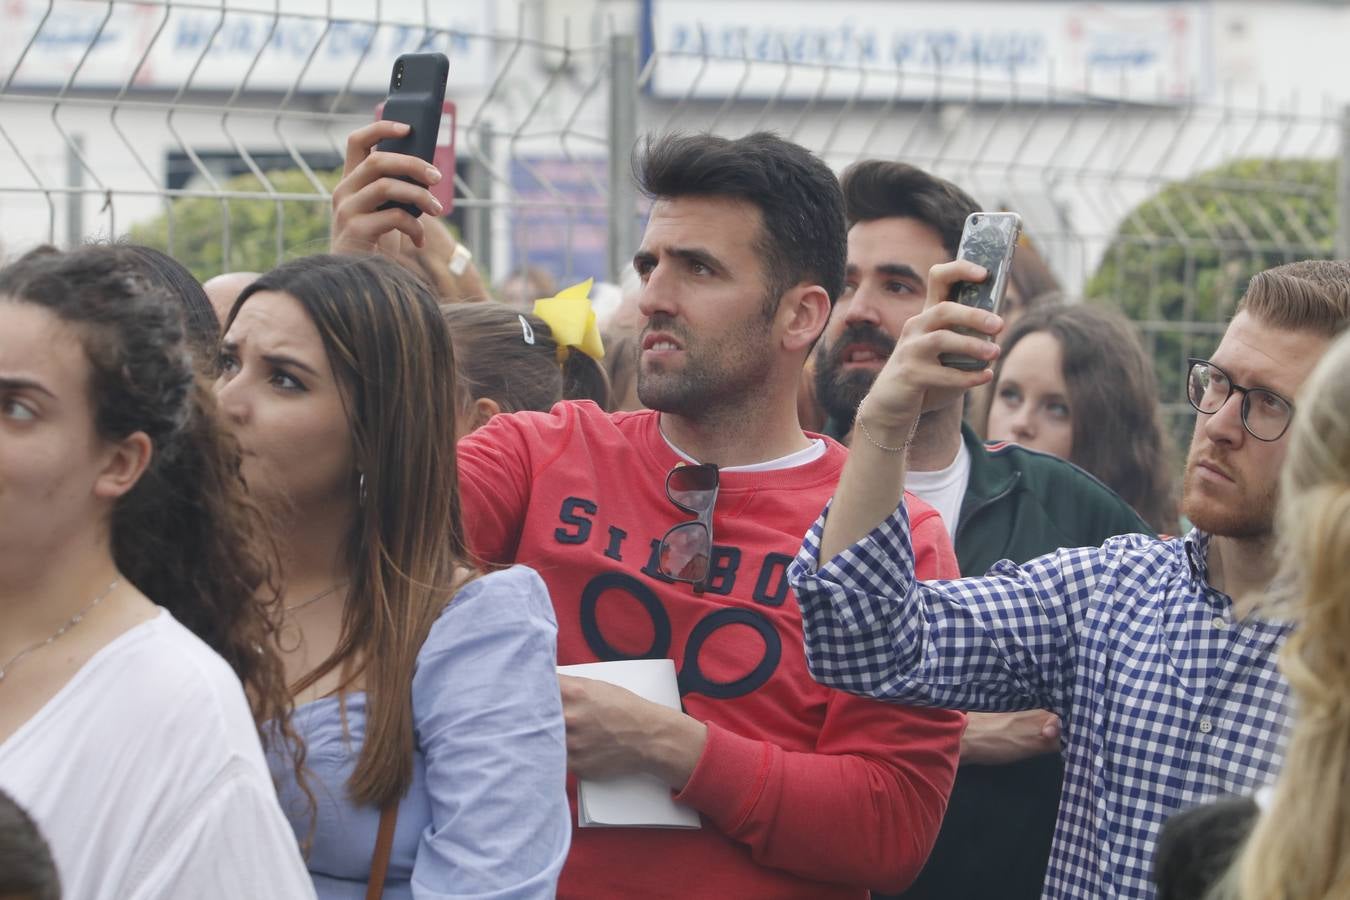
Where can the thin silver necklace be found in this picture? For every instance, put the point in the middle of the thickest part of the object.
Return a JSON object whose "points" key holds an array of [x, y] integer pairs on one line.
{"points": [[75, 620], [316, 598]]}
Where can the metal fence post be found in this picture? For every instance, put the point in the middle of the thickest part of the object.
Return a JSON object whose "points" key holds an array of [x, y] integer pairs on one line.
{"points": [[623, 88], [1343, 189], [75, 195], [478, 219]]}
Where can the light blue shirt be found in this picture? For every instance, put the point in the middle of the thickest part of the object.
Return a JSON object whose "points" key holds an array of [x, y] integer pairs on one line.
{"points": [[486, 815]]}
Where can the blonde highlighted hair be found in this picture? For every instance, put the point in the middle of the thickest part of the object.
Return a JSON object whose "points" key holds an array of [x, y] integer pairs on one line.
{"points": [[1300, 849]]}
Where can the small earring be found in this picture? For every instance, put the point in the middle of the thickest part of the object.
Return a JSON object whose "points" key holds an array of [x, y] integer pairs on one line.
{"points": [[361, 488]]}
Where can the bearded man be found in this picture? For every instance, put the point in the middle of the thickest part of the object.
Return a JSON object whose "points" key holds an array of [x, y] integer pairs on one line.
{"points": [[1157, 655]]}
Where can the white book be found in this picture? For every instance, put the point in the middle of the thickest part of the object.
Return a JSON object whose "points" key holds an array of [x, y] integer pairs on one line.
{"points": [[632, 801]]}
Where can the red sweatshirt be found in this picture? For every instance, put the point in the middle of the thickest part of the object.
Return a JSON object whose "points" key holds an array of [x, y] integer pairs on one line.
{"points": [[805, 792]]}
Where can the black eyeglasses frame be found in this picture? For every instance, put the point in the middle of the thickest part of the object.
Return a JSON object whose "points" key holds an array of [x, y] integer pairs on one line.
{"points": [[1246, 393]]}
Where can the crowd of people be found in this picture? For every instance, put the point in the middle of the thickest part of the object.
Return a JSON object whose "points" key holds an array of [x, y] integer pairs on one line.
{"points": [[289, 562]]}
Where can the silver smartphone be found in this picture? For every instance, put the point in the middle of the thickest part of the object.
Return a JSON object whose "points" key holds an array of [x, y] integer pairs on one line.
{"points": [[989, 239]]}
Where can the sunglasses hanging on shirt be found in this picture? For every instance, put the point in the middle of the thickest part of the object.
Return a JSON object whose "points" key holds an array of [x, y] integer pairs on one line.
{"points": [[685, 553]]}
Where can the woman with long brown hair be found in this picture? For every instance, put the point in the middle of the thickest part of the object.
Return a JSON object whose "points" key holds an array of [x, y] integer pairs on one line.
{"points": [[1073, 381], [426, 693], [129, 552]]}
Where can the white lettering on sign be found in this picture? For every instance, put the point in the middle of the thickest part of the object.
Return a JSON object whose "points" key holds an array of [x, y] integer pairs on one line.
{"points": [[1157, 52], [323, 55]]}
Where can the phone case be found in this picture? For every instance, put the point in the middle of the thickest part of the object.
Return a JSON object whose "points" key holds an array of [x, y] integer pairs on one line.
{"points": [[416, 96], [988, 240]]}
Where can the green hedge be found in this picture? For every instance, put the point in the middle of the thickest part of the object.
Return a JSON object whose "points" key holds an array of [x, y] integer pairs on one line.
{"points": [[1181, 260], [199, 225]]}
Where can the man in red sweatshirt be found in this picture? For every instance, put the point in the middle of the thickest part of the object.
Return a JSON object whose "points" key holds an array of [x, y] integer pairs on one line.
{"points": [[803, 791]]}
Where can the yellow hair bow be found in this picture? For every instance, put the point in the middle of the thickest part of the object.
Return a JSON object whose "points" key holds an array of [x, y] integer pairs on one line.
{"points": [[572, 320]]}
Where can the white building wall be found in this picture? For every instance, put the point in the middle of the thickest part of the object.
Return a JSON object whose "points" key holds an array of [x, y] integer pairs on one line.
{"points": [[1274, 82]]}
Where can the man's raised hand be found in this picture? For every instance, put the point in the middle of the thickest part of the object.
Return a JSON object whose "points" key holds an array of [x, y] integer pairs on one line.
{"points": [[371, 178], [913, 380]]}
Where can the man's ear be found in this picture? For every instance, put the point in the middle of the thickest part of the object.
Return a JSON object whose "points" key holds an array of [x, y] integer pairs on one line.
{"points": [[805, 311], [484, 408], [126, 462]]}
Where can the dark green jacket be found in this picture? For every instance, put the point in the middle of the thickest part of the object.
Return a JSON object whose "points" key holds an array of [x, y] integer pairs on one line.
{"points": [[1020, 504]]}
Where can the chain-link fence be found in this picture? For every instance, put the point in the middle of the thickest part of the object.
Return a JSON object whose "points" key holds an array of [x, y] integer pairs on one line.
{"points": [[1153, 198], [216, 130]]}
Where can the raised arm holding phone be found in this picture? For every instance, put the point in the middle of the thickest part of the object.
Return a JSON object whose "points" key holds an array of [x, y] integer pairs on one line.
{"points": [[912, 381], [373, 208], [998, 501], [1156, 654]]}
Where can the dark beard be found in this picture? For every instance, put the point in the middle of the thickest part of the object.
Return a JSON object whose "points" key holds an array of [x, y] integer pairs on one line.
{"points": [[839, 392], [711, 382]]}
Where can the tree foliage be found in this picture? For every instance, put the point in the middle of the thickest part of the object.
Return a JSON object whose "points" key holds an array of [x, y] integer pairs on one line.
{"points": [[192, 230], [1181, 260]]}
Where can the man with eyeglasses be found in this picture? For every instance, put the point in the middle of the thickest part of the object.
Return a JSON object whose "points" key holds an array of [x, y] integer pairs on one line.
{"points": [[667, 533], [1158, 655]]}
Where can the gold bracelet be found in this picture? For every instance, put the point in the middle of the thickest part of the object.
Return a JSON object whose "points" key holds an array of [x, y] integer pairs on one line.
{"points": [[857, 420]]}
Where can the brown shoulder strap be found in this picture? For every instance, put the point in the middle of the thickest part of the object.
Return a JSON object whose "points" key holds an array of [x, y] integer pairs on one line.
{"points": [[384, 847]]}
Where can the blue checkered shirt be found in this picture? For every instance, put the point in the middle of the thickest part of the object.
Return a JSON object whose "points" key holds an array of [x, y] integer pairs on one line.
{"points": [[1167, 700]]}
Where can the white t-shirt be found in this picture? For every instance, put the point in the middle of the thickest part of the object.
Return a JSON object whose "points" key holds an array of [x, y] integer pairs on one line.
{"points": [[809, 454], [146, 777], [944, 489]]}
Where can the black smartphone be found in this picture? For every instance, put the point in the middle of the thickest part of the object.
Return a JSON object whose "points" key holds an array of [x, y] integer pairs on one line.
{"points": [[988, 240], [416, 97]]}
